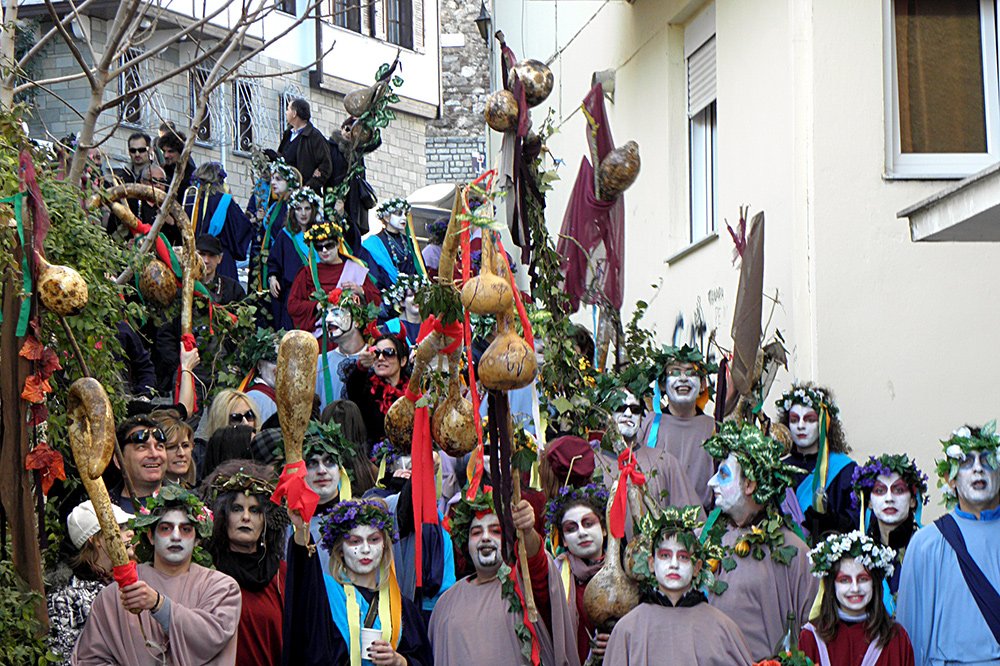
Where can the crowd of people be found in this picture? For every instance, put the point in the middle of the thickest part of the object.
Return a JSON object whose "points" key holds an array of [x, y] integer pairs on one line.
{"points": [[744, 539]]}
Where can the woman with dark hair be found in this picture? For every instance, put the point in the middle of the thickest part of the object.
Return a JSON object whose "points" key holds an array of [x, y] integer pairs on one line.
{"points": [[352, 426], [228, 444], [247, 543], [377, 380], [290, 251], [854, 627]]}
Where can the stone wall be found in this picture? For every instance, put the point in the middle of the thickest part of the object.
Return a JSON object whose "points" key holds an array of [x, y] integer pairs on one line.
{"points": [[455, 158]]}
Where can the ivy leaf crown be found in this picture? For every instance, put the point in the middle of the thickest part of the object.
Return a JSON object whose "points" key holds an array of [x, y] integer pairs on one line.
{"points": [[465, 511], [683, 354], [856, 545], [240, 482], [683, 522], [395, 205], [807, 396], [171, 496], [759, 457], [287, 172], [394, 296], [348, 514], [864, 477], [306, 194]]}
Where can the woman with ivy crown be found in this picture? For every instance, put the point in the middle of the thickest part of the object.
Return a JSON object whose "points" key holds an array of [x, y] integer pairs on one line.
{"points": [[853, 627], [284, 180], [771, 577], [327, 238], [394, 249], [823, 487], [890, 491], [247, 543], [326, 611], [290, 252], [193, 611], [674, 624], [575, 518]]}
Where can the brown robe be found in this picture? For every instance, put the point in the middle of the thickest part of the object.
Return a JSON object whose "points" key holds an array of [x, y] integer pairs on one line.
{"points": [[762, 592], [683, 437], [204, 613], [693, 636], [471, 625]]}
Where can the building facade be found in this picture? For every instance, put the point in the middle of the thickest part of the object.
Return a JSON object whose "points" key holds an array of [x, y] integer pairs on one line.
{"points": [[796, 109]]}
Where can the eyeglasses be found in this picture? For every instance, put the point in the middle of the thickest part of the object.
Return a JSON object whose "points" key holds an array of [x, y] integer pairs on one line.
{"points": [[682, 372], [635, 410], [247, 416], [142, 436], [384, 353], [326, 246], [137, 150]]}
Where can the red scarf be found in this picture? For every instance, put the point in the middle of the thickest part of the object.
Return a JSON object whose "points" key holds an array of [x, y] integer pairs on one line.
{"points": [[384, 394]]}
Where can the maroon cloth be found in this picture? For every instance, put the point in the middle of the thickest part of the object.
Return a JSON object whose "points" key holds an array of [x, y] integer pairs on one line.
{"points": [[560, 453], [258, 637], [849, 646], [301, 307], [590, 221]]}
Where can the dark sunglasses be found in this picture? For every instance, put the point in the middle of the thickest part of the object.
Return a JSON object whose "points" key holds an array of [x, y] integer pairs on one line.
{"points": [[328, 245], [142, 436], [635, 410], [137, 150], [384, 353], [237, 417]]}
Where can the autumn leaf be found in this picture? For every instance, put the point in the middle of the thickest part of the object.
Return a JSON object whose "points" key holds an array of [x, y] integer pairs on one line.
{"points": [[35, 389], [32, 349], [50, 363], [39, 414], [49, 462]]}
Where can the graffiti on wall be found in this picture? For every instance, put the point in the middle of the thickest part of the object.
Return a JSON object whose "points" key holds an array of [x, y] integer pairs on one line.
{"points": [[695, 329]]}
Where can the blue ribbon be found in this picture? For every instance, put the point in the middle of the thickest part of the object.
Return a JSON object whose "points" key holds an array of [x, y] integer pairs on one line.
{"points": [[654, 429]]}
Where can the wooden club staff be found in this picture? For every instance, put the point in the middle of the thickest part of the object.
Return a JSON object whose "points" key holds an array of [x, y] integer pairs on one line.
{"points": [[295, 384]]}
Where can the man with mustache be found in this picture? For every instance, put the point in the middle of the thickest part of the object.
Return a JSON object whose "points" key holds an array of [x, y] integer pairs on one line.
{"points": [[682, 376], [948, 601], [472, 622]]}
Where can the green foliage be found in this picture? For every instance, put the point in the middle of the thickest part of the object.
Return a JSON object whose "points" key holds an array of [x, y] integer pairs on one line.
{"points": [[440, 300], [22, 636]]}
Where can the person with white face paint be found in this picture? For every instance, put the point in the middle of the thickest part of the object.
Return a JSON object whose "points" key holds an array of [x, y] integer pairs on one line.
{"points": [[401, 299], [674, 624], [188, 613], [284, 179], [823, 488], [771, 577], [290, 252], [576, 519], [853, 625], [358, 592], [892, 490], [948, 589], [472, 622], [392, 249], [349, 347], [683, 426]]}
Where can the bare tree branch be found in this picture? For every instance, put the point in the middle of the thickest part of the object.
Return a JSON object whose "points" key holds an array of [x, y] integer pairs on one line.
{"points": [[47, 82], [53, 31], [71, 44]]}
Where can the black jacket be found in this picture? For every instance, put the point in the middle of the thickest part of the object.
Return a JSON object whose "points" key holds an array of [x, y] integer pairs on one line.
{"points": [[311, 153]]}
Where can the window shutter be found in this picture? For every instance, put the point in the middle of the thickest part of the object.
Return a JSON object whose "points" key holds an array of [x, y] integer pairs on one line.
{"points": [[701, 77], [418, 25]]}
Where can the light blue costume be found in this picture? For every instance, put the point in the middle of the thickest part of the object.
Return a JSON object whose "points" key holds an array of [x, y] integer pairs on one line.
{"points": [[935, 605], [334, 357]]}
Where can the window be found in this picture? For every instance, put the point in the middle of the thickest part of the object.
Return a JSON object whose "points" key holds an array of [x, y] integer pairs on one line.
{"points": [[286, 6], [197, 80], [399, 22], [942, 87], [243, 115], [699, 53], [283, 100], [130, 108], [347, 14]]}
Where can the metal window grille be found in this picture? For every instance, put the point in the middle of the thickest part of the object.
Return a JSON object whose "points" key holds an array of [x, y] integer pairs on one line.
{"points": [[130, 109], [243, 116], [197, 80]]}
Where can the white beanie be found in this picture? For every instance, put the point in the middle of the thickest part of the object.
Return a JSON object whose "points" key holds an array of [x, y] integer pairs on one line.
{"points": [[82, 522]]}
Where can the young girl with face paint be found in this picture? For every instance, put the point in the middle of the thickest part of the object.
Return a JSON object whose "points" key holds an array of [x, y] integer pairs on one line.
{"points": [[674, 624], [359, 590], [290, 252], [853, 627]]}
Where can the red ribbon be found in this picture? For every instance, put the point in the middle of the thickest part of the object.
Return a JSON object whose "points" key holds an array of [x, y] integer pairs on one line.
{"points": [[125, 574], [536, 657], [292, 485], [188, 341], [421, 481], [627, 464], [529, 337], [451, 331]]}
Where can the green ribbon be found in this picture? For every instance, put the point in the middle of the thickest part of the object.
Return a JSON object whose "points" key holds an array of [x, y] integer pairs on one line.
{"points": [[327, 379], [25, 312]]}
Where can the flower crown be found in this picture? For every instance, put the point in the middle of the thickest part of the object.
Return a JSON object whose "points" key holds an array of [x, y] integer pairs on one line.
{"points": [[240, 482], [854, 544], [396, 294], [684, 354], [962, 442], [384, 449], [438, 227], [465, 511], [321, 231], [592, 495], [171, 496], [287, 172], [759, 456], [865, 476], [684, 522], [396, 205], [808, 396], [348, 514], [308, 195]]}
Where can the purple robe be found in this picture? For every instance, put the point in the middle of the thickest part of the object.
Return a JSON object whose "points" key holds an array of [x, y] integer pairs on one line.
{"points": [[204, 613]]}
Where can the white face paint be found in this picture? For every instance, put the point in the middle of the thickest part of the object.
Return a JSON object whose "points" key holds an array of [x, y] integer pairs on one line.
{"points": [[629, 416], [803, 422], [683, 384], [362, 549], [303, 213], [673, 566], [173, 538], [339, 322], [977, 480], [278, 184], [581, 528], [397, 221], [853, 586], [410, 305], [891, 499], [323, 476], [484, 544], [727, 485]]}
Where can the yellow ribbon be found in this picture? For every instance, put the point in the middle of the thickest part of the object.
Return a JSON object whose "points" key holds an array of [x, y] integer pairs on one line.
{"points": [[345, 486], [565, 572], [353, 624]]}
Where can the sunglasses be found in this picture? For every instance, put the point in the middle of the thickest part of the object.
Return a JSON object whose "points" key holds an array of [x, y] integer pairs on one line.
{"points": [[384, 353], [247, 416], [142, 436], [635, 410], [137, 150], [326, 246]]}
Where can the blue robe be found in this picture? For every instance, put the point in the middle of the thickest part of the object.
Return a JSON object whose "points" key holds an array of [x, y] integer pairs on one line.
{"points": [[257, 242], [383, 269], [284, 262], [838, 485], [935, 605], [234, 235]]}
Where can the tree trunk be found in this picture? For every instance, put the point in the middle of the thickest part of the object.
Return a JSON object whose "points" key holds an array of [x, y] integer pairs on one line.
{"points": [[7, 39], [86, 136]]}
